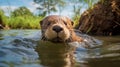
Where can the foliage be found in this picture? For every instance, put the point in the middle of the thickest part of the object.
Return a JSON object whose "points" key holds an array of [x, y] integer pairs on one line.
{"points": [[90, 3], [77, 8], [21, 18], [48, 6], [21, 11], [76, 20], [1, 12], [3, 18], [24, 23]]}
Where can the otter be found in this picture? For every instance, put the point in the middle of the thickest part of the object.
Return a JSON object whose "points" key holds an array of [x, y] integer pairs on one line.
{"points": [[58, 28]]}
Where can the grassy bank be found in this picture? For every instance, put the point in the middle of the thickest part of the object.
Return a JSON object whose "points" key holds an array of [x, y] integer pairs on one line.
{"points": [[24, 22], [29, 22], [20, 22], [19, 19]]}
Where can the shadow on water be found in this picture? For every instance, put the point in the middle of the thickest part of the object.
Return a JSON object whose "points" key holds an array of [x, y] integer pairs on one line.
{"points": [[67, 55], [109, 53], [55, 55], [23, 48]]}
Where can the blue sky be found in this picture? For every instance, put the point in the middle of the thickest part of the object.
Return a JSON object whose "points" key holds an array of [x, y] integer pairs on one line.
{"points": [[11, 5]]}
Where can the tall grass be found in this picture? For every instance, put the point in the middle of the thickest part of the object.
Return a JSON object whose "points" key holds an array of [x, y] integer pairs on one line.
{"points": [[20, 22], [76, 20], [24, 22], [3, 18]]}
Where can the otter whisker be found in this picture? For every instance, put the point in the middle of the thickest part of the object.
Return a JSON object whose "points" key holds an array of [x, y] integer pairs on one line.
{"points": [[43, 38]]}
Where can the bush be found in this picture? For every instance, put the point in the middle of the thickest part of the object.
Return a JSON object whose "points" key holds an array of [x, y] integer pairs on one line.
{"points": [[3, 18], [20, 22]]}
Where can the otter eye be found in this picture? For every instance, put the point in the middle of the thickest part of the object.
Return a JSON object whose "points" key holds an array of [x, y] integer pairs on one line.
{"points": [[65, 23], [48, 23]]}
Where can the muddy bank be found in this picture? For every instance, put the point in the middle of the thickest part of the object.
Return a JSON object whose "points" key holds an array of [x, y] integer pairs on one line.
{"points": [[102, 19]]}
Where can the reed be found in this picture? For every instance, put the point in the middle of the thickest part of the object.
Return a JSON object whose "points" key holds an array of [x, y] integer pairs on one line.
{"points": [[20, 22]]}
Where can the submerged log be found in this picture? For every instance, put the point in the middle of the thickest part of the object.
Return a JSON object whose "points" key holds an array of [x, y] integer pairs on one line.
{"points": [[102, 19]]}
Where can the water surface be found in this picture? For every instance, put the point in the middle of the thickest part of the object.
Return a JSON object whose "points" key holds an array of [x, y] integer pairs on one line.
{"points": [[23, 48]]}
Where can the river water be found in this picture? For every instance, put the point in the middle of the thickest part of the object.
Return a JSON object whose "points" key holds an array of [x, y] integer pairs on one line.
{"points": [[23, 48]]}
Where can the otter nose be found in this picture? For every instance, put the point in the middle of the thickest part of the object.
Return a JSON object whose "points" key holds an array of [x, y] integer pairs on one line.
{"points": [[57, 29]]}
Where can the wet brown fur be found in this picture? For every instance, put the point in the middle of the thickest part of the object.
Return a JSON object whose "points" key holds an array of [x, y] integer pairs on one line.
{"points": [[48, 22]]}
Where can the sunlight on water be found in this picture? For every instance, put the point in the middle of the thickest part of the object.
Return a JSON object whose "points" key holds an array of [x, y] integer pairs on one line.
{"points": [[23, 48]]}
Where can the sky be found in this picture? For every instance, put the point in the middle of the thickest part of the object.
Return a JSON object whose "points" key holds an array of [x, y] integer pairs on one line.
{"points": [[11, 5]]}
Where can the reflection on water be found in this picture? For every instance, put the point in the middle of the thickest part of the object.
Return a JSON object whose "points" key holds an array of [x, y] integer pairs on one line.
{"points": [[23, 48], [17, 48], [55, 55]]}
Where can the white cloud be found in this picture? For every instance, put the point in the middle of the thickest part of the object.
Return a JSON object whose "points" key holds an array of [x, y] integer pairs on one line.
{"points": [[8, 9], [32, 9], [67, 11], [11, 8], [33, 4], [29, 4]]}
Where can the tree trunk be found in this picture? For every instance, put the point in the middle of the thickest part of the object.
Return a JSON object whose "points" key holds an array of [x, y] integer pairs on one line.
{"points": [[102, 19]]}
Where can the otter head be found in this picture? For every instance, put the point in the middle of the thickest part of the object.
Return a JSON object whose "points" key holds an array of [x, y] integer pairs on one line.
{"points": [[56, 28]]}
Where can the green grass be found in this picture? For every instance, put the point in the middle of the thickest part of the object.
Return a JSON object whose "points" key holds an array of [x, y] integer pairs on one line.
{"points": [[20, 22], [3, 18], [76, 19], [29, 22]]}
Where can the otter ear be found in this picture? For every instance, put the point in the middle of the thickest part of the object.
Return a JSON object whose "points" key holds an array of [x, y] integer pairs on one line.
{"points": [[72, 23], [41, 22]]}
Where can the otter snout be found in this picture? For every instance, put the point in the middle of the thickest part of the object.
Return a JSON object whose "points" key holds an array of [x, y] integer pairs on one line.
{"points": [[57, 29]]}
